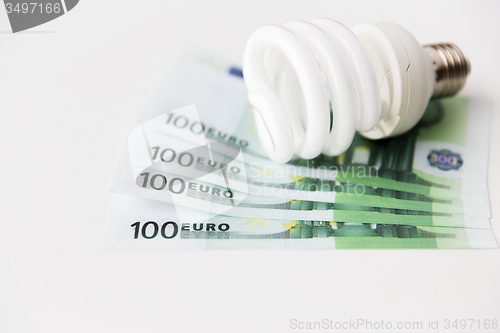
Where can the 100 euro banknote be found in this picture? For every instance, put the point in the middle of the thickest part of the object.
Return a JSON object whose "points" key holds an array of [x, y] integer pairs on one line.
{"points": [[218, 197], [141, 224], [154, 147]]}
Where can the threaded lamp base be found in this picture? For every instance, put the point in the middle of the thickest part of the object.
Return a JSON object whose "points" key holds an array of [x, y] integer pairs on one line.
{"points": [[451, 67]]}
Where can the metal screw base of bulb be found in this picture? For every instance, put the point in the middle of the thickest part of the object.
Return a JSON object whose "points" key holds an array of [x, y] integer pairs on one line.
{"points": [[451, 67]]}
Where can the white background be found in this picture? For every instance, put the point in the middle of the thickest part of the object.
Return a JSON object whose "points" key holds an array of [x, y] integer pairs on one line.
{"points": [[69, 90]]}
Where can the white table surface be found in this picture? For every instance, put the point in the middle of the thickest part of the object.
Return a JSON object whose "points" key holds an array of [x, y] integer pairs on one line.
{"points": [[69, 92]]}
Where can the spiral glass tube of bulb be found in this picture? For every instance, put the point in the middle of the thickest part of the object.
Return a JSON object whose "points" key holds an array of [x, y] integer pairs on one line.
{"points": [[314, 84]]}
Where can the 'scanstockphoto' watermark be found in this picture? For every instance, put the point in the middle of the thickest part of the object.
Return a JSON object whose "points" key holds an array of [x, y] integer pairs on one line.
{"points": [[366, 324]]}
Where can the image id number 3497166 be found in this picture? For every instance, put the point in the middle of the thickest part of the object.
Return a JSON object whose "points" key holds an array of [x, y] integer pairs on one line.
{"points": [[33, 7]]}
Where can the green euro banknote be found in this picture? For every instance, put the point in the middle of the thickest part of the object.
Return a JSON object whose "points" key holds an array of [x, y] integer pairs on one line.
{"points": [[142, 224], [224, 200], [444, 157], [152, 147]]}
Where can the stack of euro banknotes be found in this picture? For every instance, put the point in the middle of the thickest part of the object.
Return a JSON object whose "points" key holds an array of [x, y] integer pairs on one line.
{"points": [[194, 175]]}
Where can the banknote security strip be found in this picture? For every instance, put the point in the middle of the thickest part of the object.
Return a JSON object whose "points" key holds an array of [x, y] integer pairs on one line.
{"points": [[194, 176]]}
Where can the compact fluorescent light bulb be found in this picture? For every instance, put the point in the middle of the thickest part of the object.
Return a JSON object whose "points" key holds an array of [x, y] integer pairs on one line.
{"points": [[377, 78]]}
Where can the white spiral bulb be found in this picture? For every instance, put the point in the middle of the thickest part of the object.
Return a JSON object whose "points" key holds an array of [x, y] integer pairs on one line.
{"points": [[293, 72]]}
